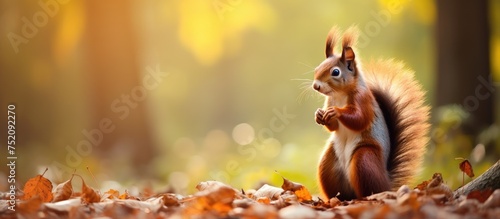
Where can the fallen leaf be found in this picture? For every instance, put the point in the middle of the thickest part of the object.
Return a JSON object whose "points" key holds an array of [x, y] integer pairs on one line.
{"points": [[170, 199], [297, 211], [264, 200], [404, 189], [493, 201], [422, 186], [38, 186], [467, 205], [150, 205], [480, 195], [466, 167], [301, 191], [63, 191], [353, 210], [89, 195], [212, 197], [64, 206], [289, 196], [260, 211], [124, 195], [207, 185], [243, 203], [437, 186], [334, 202], [290, 186], [111, 194], [436, 180], [31, 205], [382, 196], [268, 191]]}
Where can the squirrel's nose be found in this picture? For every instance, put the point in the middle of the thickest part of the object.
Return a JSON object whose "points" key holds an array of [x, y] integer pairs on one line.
{"points": [[316, 86]]}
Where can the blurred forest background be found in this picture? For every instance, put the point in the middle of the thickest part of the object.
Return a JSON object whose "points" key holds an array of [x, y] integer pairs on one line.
{"points": [[192, 90]]}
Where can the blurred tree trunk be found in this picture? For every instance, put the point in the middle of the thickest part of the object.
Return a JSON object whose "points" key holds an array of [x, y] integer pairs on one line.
{"points": [[113, 72], [464, 60]]}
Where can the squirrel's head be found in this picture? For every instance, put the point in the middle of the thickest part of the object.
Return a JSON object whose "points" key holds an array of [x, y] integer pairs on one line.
{"points": [[338, 72]]}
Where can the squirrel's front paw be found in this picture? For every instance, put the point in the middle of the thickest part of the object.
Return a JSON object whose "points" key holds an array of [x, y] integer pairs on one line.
{"points": [[319, 116], [329, 114]]}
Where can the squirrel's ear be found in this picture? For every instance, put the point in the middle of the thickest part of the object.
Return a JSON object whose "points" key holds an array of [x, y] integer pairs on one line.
{"points": [[348, 54], [330, 46], [331, 40], [348, 57]]}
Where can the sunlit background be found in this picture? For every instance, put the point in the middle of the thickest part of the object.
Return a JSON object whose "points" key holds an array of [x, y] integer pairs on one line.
{"points": [[171, 93]]}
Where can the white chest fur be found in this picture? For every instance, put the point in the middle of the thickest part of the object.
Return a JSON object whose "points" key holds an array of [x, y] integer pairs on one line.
{"points": [[344, 139], [344, 142]]}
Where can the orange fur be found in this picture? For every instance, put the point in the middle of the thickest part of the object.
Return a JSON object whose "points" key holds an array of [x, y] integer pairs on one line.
{"points": [[332, 181], [331, 40], [367, 174], [358, 114], [402, 101]]}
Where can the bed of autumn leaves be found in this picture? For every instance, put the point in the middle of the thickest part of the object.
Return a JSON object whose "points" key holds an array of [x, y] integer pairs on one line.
{"points": [[430, 199]]}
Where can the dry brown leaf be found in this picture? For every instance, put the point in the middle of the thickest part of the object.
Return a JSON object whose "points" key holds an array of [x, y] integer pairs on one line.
{"points": [[124, 195], [213, 197], [89, 195], [301, 191], [303, 194], [268, 191], [63, 191], [170, 199], [467, 205], [436, 180], [38, 186], [64, 206], [264, 200], [493, 202], [436, 186], [480, 195], [209, 185], [334, 202], [466, 167], [151, 205], [31, 205], [382, 196], [422, 186], [289, 197], [260, 211], [354, 210], [290, 186], [409, 199], [110, 194], [297, 211]]}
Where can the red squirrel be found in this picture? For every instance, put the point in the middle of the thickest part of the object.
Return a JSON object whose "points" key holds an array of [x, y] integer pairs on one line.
{"points": [[377, 118]]}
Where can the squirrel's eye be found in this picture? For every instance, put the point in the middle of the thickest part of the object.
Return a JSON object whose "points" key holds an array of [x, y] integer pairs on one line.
{"points": [[335, 72]]}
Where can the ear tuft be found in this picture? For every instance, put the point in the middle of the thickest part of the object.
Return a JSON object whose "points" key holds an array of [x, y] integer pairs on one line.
{"points": [[331, 40], [350, 37]]}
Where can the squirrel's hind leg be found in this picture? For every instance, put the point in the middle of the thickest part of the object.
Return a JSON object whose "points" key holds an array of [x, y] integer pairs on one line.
{"points": [[368, 174], [332, 180]]}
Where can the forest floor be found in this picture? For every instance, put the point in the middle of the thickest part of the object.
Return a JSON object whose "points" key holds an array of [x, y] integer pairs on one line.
{"points": [[430, 199]]}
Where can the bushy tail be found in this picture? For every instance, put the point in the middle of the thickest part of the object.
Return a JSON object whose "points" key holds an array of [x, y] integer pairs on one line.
{"points": [[401, 99]]}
